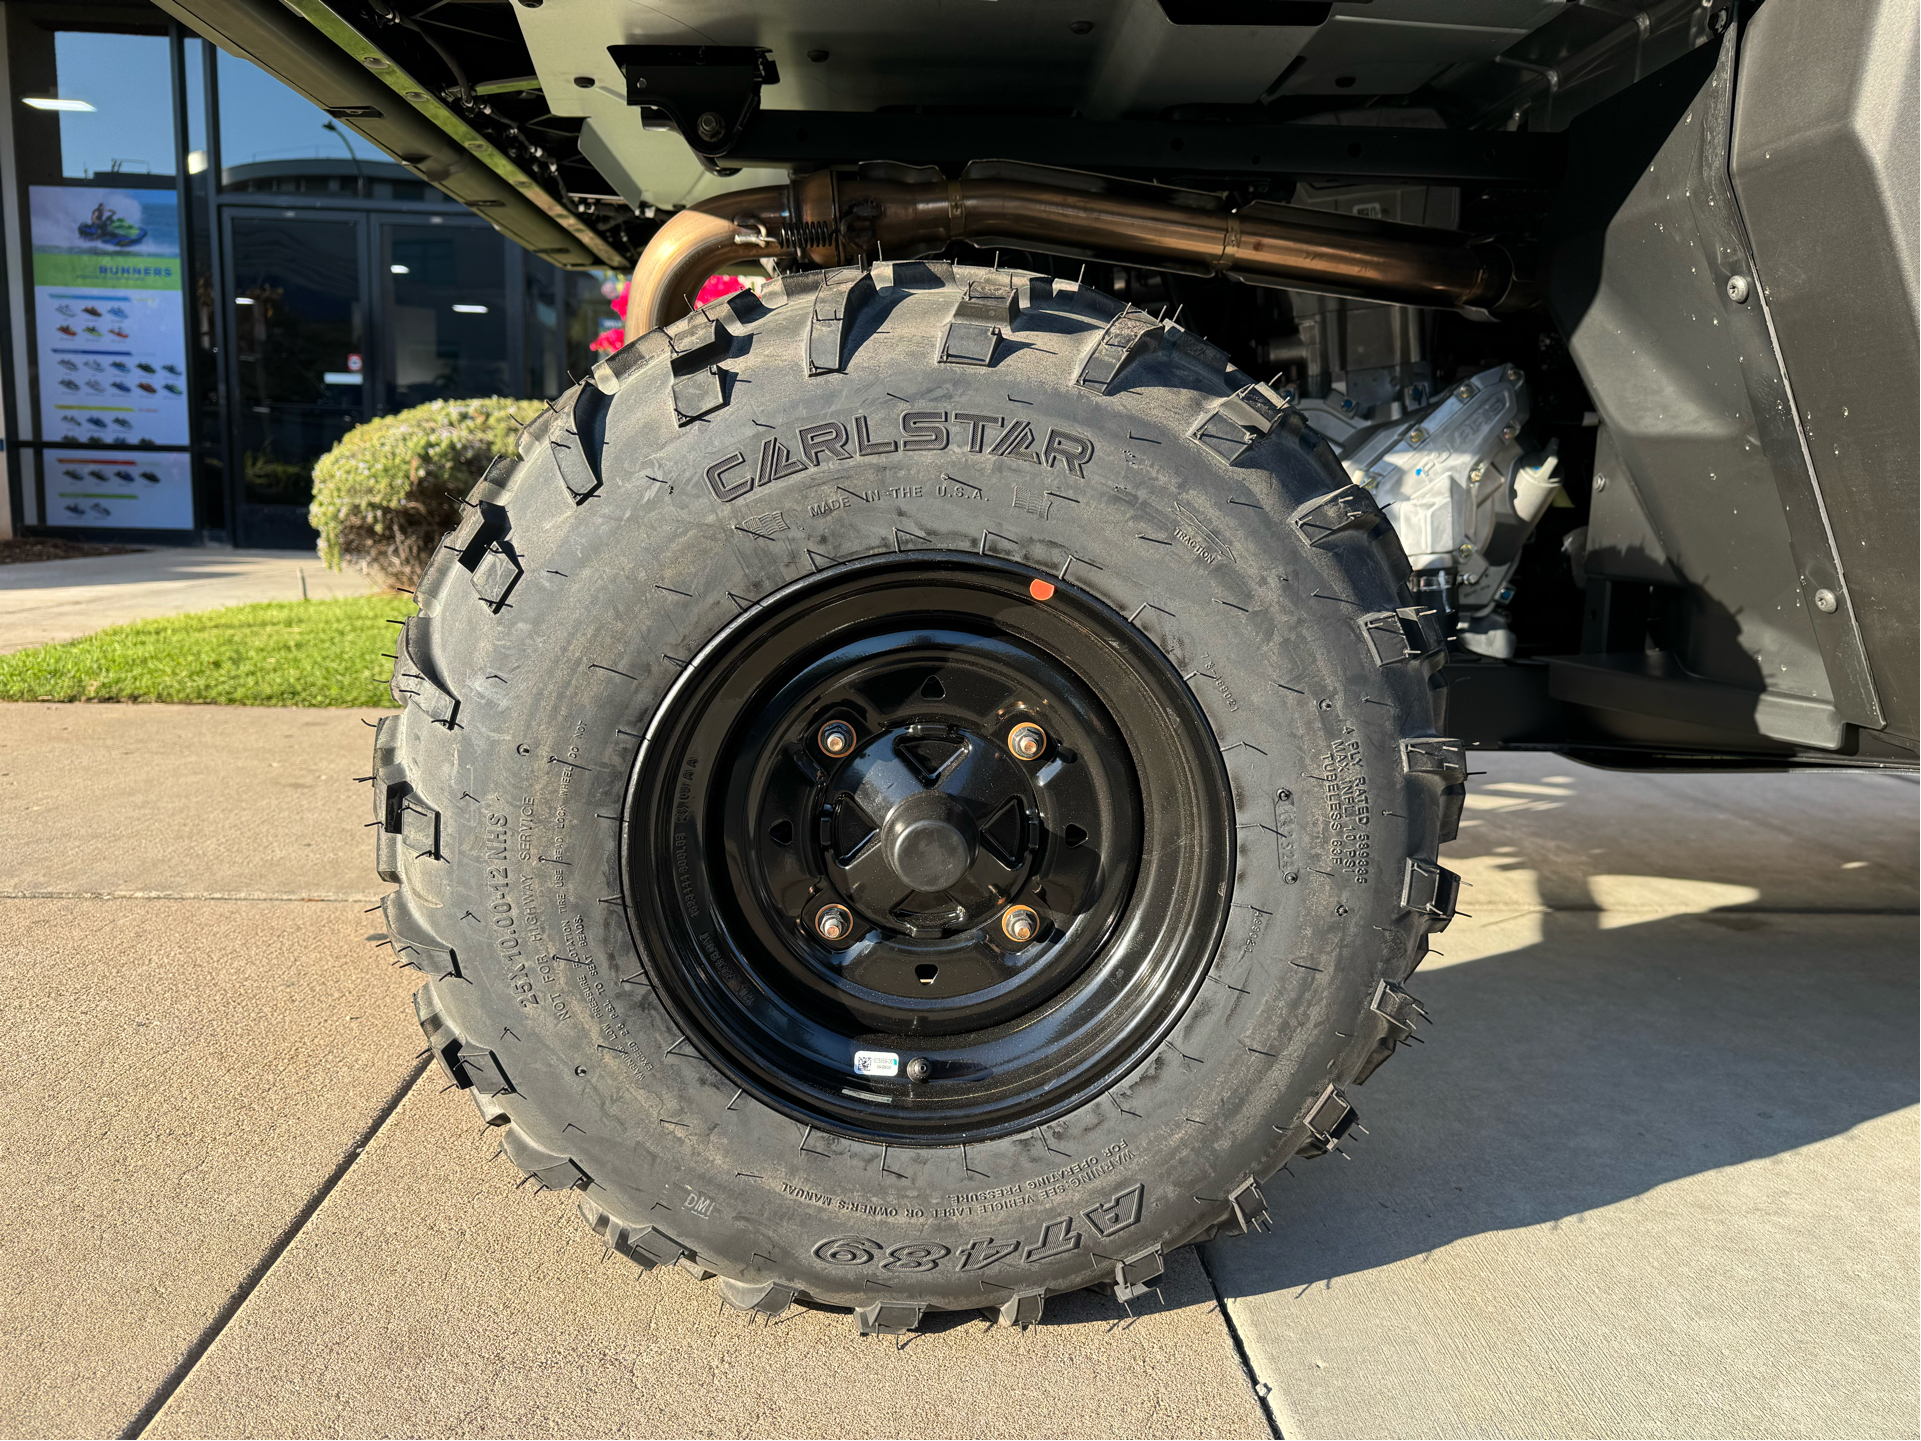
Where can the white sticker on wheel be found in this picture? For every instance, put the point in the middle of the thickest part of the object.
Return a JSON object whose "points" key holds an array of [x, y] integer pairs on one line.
{"points": [[877, 1063]]}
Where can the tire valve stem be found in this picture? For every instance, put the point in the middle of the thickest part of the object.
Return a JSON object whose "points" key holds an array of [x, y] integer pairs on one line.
{"points": [[833, 922], [1026, 741], [836, 738], [919, 1069], [1020, 924]]}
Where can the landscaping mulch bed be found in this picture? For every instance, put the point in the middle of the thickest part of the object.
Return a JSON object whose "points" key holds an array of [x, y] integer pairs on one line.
{"points": [[40, 547]]}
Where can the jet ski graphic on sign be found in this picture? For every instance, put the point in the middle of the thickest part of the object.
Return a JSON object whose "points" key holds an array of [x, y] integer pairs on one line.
{"points": [[104, 227]]}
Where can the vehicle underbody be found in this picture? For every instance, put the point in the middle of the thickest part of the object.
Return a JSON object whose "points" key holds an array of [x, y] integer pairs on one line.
{"points": [[1724, 604]]}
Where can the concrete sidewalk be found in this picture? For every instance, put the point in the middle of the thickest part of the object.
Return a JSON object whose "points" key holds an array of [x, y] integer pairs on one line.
{"points": [[1655, 1173], [240, 1209], [196, 1044], [53, 600]]}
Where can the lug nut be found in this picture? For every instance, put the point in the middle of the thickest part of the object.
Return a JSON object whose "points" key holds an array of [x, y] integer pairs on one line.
{"points": [[836, 738], [833, 922], [1026, 741], [1020, 924], [918, 1069]]}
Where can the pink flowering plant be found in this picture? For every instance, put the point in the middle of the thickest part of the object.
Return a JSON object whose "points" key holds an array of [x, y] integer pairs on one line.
{"points": [[612, 339]]}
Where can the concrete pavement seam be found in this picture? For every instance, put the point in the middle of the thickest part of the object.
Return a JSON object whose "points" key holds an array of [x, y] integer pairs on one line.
{"points": [[1254, 1382], [184, 1368]]}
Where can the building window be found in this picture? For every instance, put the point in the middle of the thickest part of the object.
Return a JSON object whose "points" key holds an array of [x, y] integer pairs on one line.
{"points": [[446, 312], [225, 325], [125, 83]]}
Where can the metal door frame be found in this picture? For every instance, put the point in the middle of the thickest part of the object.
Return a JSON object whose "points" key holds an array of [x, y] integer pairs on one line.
{"points": [[368, 218]]}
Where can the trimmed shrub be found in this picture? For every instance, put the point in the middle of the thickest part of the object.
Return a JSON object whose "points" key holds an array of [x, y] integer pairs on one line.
{"points": [[385, 495]]}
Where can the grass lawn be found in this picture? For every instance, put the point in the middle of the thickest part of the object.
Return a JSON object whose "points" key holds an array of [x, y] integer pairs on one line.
{"points": [[281, 652]]}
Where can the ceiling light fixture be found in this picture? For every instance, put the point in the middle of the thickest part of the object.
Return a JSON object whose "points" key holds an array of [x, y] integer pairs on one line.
{"points": [[46, 102]]}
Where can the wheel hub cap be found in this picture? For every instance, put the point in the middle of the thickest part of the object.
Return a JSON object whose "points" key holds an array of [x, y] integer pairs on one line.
{"points": [[929, 841]]}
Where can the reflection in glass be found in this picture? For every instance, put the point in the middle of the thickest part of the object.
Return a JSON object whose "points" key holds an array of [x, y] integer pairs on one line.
{"points": [[194, 52], [297, 334], [447, 313], [128, 82], [262, 120], [541, 356], [562, 312]]}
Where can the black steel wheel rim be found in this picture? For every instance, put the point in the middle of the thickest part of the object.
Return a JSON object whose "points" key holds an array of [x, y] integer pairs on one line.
{"points": [[849, 797]]}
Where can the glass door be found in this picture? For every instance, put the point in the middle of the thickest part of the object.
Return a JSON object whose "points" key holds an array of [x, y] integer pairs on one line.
{"points": [[445, 312], [297, 362]]}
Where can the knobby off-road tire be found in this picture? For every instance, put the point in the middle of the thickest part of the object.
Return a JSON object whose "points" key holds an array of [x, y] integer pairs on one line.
{"points": [[1276, 787]]}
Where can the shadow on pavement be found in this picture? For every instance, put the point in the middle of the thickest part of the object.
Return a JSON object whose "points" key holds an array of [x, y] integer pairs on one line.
{"points": [[1541, 833], [1592, 1064]]}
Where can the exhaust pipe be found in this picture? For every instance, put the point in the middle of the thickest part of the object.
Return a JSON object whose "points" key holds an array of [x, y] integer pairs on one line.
{"points": [[831, 219]]}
